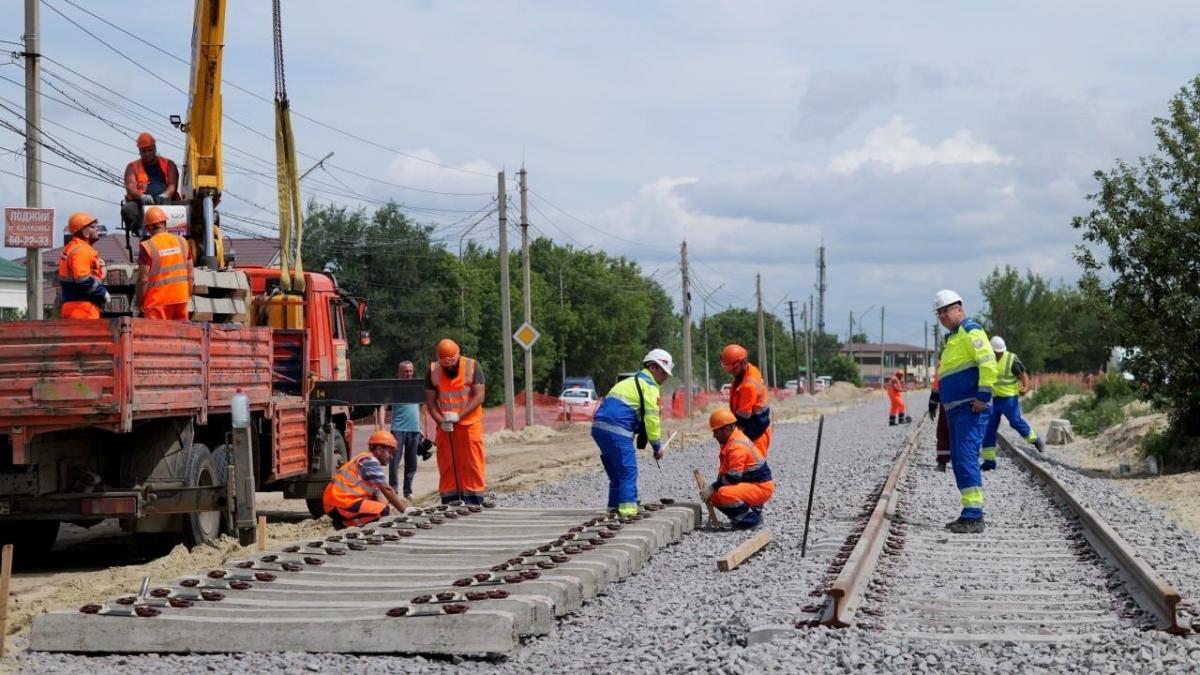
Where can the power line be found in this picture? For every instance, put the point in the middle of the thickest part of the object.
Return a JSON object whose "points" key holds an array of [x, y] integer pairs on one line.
{"points": [[593, 227]]}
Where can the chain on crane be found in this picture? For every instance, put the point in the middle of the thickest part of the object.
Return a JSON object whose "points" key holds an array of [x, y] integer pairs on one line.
{"points": [[290, 207]]}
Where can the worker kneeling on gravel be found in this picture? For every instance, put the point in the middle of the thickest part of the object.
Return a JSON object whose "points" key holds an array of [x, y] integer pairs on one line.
{"points": [[743, 482], [1012, 381], [748, 396], [454, 398], [966, 373], [359, 492], [630, 411]]}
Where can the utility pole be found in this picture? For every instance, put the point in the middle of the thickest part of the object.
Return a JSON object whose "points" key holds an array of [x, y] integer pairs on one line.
{"points": [[506, 329], [881, 348], [687, 330], [821, 286], [850, 340], [33, 153], [774, 364], [808, 344], [762, 335], [526, 296], [795, 350], [925, 337]]}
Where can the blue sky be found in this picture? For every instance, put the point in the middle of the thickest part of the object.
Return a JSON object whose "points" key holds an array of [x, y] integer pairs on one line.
{"points": [[924, 142]]}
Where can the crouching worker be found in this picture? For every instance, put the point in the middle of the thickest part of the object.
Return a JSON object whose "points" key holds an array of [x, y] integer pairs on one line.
{"points": [[744, 483], [359, 492]]}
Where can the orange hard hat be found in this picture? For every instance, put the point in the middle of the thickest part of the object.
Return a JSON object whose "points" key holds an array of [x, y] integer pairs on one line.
{"points": [[732, 355], [447, 349], [382, 437], [80, 220], [721, 417], [144, 140], [154, 215]]}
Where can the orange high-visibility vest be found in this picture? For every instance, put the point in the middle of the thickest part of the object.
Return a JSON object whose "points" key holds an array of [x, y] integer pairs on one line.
{"points": [[748, 395], [143, 179], [454, 392], [79, 260], [347, 486], [168, 281]]}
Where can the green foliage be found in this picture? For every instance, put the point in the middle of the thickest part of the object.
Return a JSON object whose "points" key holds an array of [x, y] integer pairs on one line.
{"points": [[1105, 407], [598, 313], [1051, 329], [1113, 386], [1142, 240], [1173, 451], [842, 369], [1047, 393]]}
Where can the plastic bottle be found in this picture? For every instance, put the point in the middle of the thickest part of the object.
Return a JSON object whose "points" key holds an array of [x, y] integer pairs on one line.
{"points": [[240, 408]]}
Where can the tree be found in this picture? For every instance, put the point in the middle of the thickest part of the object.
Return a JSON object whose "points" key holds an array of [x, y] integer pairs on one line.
{"points": [[1142, 244], [842, 369]]}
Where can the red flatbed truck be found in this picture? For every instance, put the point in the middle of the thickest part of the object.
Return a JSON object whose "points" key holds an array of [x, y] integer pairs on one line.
{"points": [[130, 418]]}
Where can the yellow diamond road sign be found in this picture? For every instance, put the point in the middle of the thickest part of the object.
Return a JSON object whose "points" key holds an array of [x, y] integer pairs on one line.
{"points": [[526, 335]]}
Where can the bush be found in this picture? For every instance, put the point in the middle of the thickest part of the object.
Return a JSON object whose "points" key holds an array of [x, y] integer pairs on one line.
{"points": [[1113, 386], [842, 369], [1047, 393], [1090, 416], [1173, 451]]}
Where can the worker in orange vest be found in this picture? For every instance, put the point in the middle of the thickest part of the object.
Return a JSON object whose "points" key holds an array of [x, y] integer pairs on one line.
{"points": [[897, 414], [454, 390], [149, 180], [744, 481], [359, 492], [748, 397], [164, 278], [81, 270]]}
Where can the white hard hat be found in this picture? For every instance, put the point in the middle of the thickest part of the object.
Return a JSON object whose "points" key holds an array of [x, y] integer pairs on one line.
{"points": [[662, 358], [998, 344], [945, 298]]}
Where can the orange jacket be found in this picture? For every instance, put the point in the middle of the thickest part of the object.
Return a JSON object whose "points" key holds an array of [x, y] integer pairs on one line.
{"points": [[347, 486], [141, 179], [741, 462], [455, 392], [168, 280], [81, 272], [748, 401]]}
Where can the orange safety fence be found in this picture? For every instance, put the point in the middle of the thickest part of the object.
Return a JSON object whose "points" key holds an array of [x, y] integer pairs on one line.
{"points": [[1080, 380]]}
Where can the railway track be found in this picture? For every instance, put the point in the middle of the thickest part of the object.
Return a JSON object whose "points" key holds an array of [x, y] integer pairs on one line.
{"points": [[1047, 568]]}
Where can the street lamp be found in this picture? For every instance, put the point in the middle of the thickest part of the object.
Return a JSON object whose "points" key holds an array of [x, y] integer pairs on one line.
{"points": [[774, 367], [704, 328]]}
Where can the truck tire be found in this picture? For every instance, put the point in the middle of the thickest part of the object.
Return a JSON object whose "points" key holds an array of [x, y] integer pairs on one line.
{"points": [[200, 471], [31, 539], [316, 505]]}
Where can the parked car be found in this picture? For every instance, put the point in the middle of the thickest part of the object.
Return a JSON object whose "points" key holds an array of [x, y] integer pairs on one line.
{"points": [[577, 403], [822, 382], [579, 382], [725, 391]]}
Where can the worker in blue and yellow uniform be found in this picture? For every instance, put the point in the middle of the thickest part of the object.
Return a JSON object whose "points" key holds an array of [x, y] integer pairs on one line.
{"points": [[748, 396], [744, 481], [630, 410], [1011, 381], [81, 270], [966, 374]]}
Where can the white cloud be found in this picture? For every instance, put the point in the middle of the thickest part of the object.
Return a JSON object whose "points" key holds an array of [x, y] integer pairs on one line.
{"points": [[894, 145]]}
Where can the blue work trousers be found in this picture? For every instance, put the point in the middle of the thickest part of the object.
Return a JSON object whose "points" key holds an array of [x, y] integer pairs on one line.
{"points": [[1005, 407], [966, 439], [619, 458]]}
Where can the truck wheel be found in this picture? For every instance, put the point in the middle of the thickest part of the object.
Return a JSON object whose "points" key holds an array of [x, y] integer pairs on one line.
{"points": [[316, 505], [199, 528], [31, 539]]}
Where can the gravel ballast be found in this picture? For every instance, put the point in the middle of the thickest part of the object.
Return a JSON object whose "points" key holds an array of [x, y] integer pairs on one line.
{"points": [[679, 614]]}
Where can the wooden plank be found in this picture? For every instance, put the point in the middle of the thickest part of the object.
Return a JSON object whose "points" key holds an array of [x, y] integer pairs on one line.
{"points": [[712, 513], [744, 550], [5, 575]]}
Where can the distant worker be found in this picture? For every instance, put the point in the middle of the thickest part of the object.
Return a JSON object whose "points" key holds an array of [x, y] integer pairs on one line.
{"points": [[748, 396], [744, 481], [454, 392], [81, 270], [359, 492], [943, 432], [406, 427], [897, 413], [630, 411], [149, 180], [966, 374], [1012, 380], [164, 276]]}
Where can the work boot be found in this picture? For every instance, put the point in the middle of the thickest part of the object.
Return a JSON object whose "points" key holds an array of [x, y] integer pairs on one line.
{"points": [[964, 526], [891, 420], [907, 419], [988, 465], [1039, 444], [941, 467]]}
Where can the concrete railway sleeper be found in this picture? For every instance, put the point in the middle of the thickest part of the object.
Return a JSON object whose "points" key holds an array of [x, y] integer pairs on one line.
{"points": [[441, 580], [1048, 568]]}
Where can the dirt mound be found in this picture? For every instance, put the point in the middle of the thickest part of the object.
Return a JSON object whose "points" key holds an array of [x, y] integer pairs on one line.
{"points": [[531, 434], [840, 391]]}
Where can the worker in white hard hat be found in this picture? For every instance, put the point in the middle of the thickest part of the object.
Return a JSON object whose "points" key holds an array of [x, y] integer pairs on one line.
{"points": [[1012, 381], [629, 416], [966, 374]]}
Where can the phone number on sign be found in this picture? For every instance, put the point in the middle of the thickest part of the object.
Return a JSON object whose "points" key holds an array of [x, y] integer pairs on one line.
{"points": [[28, 241]]}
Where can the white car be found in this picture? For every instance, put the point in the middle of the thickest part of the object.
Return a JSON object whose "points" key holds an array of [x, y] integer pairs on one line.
{"points": [[822, 382], [577, 403]]}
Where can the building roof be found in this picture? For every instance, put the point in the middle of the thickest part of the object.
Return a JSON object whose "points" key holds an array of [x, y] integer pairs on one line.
{"points": [[867, 348], [11, 270]]}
